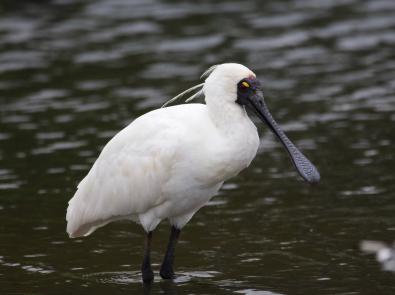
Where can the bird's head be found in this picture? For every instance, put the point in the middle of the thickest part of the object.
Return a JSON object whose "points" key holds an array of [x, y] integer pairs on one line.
{"points": [[235, 83], [224, 80]]}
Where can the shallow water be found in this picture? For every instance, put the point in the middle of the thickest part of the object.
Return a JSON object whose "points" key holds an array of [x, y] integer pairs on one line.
{"points": [[73, 73]]}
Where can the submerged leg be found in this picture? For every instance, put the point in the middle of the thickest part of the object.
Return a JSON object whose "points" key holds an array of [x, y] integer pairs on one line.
{"points": [[146, 270], [166, 270]]}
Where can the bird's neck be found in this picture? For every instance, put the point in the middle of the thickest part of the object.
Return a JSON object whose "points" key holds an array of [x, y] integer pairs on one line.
{"points": [[229, 117]]}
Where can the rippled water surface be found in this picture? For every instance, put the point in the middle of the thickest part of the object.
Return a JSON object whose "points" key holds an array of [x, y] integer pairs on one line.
{"points": [[73, 73]]}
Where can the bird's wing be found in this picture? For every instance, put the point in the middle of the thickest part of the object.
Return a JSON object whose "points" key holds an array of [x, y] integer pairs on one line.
{"points": [[129, 174]]}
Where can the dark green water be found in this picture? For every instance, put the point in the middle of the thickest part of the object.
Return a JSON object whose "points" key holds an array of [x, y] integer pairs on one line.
{"points": [[73, 73]]}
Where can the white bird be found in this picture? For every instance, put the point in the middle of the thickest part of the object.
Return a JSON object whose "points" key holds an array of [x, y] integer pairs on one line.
{"points": [[170, 162], [385, 254]]}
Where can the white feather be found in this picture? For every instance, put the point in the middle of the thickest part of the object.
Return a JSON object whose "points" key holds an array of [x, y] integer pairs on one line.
{"points": [[208, 71], [197, 94], [182, 94]]}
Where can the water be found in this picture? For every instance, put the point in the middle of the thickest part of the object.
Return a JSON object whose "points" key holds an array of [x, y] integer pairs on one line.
{"points": [[73, 73]]}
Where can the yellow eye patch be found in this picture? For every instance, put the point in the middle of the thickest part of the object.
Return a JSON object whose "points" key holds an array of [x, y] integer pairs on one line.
{"points": [[245, 84]]}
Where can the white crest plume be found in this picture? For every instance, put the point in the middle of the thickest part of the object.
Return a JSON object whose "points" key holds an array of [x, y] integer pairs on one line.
{"points": [[183, 93], [208, 72], [195, 95]]}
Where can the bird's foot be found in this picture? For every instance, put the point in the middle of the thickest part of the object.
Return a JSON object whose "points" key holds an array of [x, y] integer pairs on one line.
{"points": [[167, 273], [148, 276]]}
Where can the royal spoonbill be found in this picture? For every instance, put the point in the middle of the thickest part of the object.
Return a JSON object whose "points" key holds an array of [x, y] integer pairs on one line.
{"points": [[170, 162]]}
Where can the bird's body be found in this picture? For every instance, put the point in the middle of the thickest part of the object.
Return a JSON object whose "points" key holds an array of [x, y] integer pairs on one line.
{"points": [[168, 163], [165, 165]]}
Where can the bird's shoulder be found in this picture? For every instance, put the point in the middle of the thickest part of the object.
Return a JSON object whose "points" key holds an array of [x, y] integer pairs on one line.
{"points": [[159, 132]]}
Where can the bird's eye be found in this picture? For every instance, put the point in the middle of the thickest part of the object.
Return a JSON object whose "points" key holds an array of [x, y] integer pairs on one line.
{"points": [[244, 85]]}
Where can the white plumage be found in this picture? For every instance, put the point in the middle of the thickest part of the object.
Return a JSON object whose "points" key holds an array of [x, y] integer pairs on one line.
{"points": [[168, 163]]}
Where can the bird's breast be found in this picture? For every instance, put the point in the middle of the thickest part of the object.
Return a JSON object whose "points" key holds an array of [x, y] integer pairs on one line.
{"points": [[228, 154]]}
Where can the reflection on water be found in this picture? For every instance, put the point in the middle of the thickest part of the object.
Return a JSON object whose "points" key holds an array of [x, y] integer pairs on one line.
{"points": [[131, 277], [73, 73]]}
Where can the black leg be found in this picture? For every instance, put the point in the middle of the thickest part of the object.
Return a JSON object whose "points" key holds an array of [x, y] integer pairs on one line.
{"points": [[148, 275], [166, 270]]}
